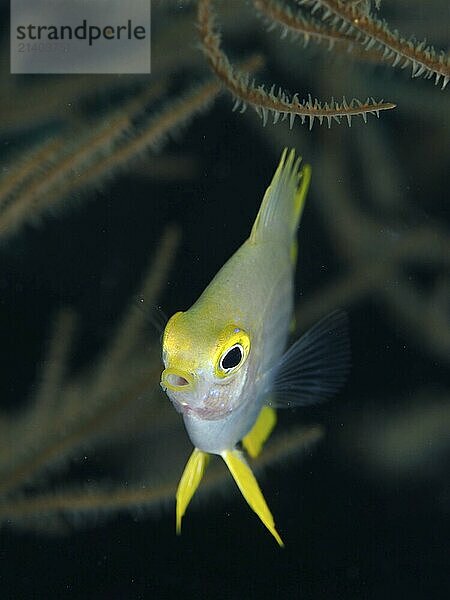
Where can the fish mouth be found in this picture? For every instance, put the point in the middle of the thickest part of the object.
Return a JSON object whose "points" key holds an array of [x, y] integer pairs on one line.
{"points": [[176, 380], [211, 405]]}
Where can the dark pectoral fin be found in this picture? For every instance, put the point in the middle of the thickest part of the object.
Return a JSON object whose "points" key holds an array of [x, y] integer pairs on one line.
{"points": [[316, 366]]}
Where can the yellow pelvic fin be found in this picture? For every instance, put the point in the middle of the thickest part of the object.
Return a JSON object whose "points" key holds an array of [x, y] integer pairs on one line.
{"points": [[259, 433], [246, 482], [189, 482]]}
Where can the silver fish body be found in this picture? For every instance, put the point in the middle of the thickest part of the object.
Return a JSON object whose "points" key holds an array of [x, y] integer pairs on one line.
{"points": [[252, 293], [256, 290]]}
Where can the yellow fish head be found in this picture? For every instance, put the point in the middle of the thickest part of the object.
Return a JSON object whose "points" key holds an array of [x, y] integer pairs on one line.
{"points": [[206, 366]]}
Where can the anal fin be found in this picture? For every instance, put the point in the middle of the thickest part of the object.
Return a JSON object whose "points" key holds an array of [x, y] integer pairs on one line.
{"points": [[259, 433]]}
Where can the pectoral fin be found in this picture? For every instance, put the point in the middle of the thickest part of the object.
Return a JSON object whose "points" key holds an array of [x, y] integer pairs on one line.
{"points": [[246, 482], [316, 366], [189, 482], [256, 437]]}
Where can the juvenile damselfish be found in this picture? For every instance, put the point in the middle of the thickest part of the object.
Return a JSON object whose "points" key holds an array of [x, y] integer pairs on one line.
{"points": [[226, 368]]}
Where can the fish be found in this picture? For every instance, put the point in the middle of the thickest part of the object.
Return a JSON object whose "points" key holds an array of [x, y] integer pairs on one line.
{"points": [[225, 365]]}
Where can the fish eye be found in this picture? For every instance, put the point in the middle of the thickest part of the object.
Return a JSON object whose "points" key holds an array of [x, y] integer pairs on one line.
{"points": [[232, 350], [232, 358]]}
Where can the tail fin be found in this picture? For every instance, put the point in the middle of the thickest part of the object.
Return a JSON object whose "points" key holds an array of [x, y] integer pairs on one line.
{"points": [[283, 202]]}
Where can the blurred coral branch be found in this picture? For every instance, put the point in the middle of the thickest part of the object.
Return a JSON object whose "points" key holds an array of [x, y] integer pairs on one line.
{"points": [[55, 170]]}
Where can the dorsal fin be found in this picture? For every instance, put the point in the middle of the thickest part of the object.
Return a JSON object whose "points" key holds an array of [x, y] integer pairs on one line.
{"points": [[283, 202]]}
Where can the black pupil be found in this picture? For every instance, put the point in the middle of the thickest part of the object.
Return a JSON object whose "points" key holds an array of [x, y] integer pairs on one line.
{"points": [[232, 358]]}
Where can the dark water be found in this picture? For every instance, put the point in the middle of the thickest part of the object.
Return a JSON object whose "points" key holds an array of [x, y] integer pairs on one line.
{"points": [[364, 513]]}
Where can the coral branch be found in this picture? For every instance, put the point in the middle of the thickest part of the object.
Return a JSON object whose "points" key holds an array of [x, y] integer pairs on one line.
{"points": [[129, 333], [83, 502], [424, 60], [55, 364], [43, 186], [106, 151], [277, 13], [46, 440], [297, 24], [17, 176], [278, 104]]}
